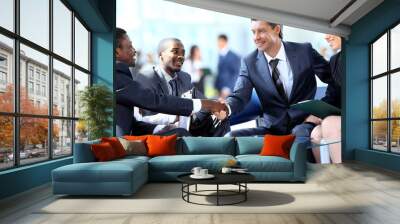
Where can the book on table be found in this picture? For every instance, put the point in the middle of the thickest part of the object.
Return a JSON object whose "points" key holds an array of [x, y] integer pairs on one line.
{"points": [[317, 108]]}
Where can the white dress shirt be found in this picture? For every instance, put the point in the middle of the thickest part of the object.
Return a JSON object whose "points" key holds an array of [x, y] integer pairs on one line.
{"points": [[285, 71]]}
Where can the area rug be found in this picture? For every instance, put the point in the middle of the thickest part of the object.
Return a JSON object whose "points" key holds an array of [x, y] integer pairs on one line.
{"points": [[167, 198]]}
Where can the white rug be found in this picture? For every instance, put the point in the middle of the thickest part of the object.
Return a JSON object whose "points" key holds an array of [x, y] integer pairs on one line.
{"points": [[166, 198]]}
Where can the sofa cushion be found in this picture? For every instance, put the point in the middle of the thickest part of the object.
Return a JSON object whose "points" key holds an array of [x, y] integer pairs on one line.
{"points": [[116, 145], [185, 163], [135, 147], [161, 145], [249, 145], [96, 172], [257, 163], [206, 145], [103, 152], [277, 145]]}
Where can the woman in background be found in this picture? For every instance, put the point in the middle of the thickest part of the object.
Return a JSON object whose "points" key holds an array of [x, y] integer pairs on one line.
{"points": [[193, 66], [330, 127]]}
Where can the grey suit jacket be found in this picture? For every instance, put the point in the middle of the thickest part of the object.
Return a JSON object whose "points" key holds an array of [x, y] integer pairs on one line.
{"points": [[305, 63]]}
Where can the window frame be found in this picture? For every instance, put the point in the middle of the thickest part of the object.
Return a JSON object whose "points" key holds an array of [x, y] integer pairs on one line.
{"points": [[388, 74], [16, 114]]}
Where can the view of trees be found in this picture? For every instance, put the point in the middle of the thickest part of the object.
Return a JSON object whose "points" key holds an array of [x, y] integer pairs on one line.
{"points": [[380, 127], [33, 131]]}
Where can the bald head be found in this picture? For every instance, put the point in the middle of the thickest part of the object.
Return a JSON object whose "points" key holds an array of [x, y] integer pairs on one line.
{"points": [[166, 43]]}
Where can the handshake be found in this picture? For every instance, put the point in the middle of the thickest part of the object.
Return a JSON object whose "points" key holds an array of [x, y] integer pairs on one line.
{"points": [[218, 108]]}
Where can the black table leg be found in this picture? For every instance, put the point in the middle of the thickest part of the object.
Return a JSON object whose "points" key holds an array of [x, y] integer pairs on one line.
{"points": [[217, 194], [245, 193]]}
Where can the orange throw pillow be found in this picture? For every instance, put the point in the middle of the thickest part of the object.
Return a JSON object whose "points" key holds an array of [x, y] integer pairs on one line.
{"points": [[116, 145], [103, 152], [161, 145], [277, 145]]}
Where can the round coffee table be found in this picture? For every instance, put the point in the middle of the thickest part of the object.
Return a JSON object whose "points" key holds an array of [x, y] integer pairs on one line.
{"points": [[238, 179]]}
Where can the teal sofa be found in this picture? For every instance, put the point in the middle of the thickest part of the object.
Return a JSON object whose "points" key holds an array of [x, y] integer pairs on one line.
{"points": [[125, 176]]}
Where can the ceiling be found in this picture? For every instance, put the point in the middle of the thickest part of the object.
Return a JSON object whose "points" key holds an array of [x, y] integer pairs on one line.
{"points": [[326, 16]]}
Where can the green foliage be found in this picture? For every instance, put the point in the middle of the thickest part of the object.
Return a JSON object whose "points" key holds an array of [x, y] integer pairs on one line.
{"points": [[96, 103]]}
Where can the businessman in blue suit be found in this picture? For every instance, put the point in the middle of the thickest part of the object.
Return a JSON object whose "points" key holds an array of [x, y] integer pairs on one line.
{"points": [[130, 93], [282, 73], [228, 68]]}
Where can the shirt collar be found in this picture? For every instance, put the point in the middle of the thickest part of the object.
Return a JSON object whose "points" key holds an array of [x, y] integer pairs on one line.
{"points": [[165, 74], [281, 54], [224, 51]]}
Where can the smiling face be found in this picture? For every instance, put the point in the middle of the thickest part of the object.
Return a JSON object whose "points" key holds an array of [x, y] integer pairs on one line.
{"points": [[125, 52], [172, 57], [265, 36], [335, 42]]}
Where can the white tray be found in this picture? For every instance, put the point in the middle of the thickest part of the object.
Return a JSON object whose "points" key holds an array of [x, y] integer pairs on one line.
{"points": [[208, 176]]}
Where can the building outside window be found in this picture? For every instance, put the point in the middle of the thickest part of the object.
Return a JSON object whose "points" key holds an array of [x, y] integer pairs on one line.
{"points": [[34, 80], [385, 96]]}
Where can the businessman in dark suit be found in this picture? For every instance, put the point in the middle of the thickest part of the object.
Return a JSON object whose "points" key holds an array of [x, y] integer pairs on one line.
{"points": [[131, 93], [228, 68], [282, 73], [168, 78]]}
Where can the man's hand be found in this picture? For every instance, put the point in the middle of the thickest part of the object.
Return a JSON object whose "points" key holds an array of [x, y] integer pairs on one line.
{"points": [[313, 119], [222, 115], [213, 106]]}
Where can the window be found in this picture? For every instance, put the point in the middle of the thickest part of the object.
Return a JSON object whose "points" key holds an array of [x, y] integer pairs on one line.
{"points": [[385, 96], [81, 45], [7, 89], [30, 72], [47, 91], [30, 87], [44, 91], [37, 89], [7, 14], [35, 22]]}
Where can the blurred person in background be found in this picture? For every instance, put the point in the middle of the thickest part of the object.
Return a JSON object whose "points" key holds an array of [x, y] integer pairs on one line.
{"points": [[148, 64], [228, 68], [193, 66]]}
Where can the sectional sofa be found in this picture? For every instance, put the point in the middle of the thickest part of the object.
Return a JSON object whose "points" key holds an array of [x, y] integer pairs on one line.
{"points": [[125, 176]]}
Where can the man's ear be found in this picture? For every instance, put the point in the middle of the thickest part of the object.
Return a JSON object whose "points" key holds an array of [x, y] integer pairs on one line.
{"points": [[117, 52], [277, 29]]}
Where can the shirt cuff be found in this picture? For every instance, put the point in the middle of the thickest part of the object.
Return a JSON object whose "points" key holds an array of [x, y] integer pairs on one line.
{"points": [[229, 110], [158, 128], [196, 105]]}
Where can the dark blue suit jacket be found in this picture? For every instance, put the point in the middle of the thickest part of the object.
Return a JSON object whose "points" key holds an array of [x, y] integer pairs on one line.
{"points": [[159, 85], [228, 71], [305, 62], [333, 91], [131, 93]]}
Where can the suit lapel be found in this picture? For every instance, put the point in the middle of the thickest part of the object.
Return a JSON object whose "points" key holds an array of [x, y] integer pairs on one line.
{"points": [[263, 71], [162, 84], [294, 65]]}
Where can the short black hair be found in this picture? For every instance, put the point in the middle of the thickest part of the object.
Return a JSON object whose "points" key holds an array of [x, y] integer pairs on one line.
{"points": [[223, 37], [163, 45], [272, 25], [120, 33], [192, 50]]}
